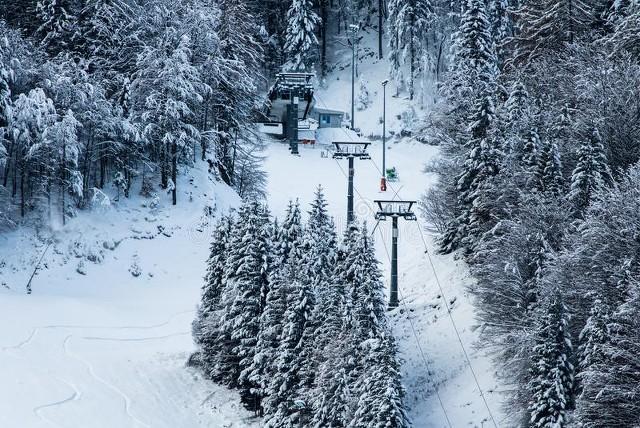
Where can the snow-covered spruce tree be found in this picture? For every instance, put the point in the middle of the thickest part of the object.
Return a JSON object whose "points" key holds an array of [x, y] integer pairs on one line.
{"points": [[627, 28], [409, 22], [301, 43], [272, 321], [593, 337], [481, 164], [170, 87], [290, 232], [367, 294], [285, 405], [611, 384], [246, 283], [548, 25], [549, 178], [590, 174], [501, 27], [57, 24], [32, 114], [206, 327], [552, 374], [380, 390], [63, 137], [474, 61]]}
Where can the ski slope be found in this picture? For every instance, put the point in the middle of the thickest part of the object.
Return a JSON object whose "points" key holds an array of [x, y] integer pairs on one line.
{"points": [[105, 349], [421, 323]]}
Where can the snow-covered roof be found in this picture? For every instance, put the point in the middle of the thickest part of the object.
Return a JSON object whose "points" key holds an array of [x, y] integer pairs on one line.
{"points": [[329, 135], [320, 106]]}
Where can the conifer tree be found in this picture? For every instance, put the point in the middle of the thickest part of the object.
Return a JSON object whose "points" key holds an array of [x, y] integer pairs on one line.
{"points": [[205, 327], [246, 272], [482, 163], [380, 390], [612, 382], [547, 25], [591, 173], [474, 59], [57, 24], [549, 175], [301, 43], [409, 22], [501, 28], [552, 374]]}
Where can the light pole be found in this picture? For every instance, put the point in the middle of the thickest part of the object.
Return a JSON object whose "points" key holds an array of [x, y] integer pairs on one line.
{"points": [[383, 181], [354, 32]]}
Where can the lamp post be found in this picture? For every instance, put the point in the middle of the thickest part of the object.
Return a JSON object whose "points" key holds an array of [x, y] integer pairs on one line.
{"points": [[354, 32], [383, 181]]}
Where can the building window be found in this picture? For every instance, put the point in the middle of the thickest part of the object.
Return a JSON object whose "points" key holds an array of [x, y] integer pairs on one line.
{"points": [[325, 119]]}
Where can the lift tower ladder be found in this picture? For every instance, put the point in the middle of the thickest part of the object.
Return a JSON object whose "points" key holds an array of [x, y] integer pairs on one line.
{"points": [[350, 150], [285, 96], [394, 209]]}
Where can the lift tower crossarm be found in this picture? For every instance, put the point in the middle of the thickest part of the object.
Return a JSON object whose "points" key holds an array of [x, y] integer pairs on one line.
{"points": [[395, 209]]}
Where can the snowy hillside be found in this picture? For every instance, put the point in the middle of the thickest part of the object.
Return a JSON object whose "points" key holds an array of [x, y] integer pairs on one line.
{"points": [[105, 348]]}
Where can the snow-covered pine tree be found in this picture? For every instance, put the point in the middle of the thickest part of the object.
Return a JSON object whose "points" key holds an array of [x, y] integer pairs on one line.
{"points": [[627, 27], [611, 384], [379, 390], [32, 114], [368, 291], [594, 335], [301, 43], [501, 28], [549, 174], [590, 174], [482, 163], [246, 273], [290, 232], [205, 327], [57, 24], [409, 22], [474, 62], [63, 136], [548, 25], [552, 374], [285, 405], [5, 106], [169, 86]]}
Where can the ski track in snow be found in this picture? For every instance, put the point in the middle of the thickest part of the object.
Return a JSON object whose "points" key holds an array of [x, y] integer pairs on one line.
{"points": [[125, 398], [136, 339], [35, 330], [73, 397]]}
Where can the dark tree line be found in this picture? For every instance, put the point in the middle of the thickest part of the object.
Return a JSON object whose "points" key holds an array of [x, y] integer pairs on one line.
{"points": [[541, 141], [296, 322]]}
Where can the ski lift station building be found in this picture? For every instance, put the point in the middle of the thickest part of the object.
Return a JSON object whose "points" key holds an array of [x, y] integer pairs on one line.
{"points": [[297, 114]]}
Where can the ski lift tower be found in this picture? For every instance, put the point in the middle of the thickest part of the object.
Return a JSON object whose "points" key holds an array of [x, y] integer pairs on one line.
{"points": [[350, 150], [395, 210], [285, 98]]}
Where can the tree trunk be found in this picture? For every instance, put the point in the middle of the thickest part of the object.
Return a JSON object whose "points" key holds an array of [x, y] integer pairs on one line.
{"points": [[380, 28], [174, 171], [22, 202], [62, 180], [7, 169]]}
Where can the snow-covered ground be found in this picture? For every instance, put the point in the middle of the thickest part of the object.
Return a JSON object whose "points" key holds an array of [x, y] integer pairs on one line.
{"points": [[105, 348]]}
